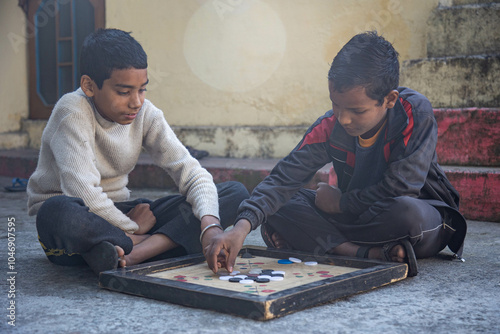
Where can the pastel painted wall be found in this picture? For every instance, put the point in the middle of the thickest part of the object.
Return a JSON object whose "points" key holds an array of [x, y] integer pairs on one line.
{"points": [[240, 78], [256, 62], [13, 67]]}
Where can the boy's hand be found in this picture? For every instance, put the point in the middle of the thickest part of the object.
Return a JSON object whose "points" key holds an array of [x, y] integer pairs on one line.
{"points": [[222, 249], [209, 235], [143, 216], [211, 232], [328, 198]]}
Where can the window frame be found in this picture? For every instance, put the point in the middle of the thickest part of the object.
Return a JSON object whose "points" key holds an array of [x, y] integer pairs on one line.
{"points": [[37, 108]]}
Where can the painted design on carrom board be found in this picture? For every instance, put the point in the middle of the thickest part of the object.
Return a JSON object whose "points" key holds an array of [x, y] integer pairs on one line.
{"points": [[296, 274]]}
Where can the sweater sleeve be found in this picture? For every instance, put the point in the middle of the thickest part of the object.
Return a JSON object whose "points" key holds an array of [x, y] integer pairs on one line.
{"points": [[170, 154], [290, 174], [72, 147]]}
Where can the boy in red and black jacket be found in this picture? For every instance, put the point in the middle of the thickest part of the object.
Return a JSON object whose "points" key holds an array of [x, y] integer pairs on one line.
{"points": [[392, 200]]}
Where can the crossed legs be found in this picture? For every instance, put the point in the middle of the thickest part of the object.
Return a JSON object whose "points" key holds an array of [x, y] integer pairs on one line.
{"points": [[300, 225]]}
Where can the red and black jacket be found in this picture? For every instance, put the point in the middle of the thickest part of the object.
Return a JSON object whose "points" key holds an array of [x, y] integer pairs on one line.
{"points": [[407, 158]]}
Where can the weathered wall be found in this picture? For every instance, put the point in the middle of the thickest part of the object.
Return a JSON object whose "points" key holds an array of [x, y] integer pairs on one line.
{"points": [[252, 73], [13, 67], [256, 62]]}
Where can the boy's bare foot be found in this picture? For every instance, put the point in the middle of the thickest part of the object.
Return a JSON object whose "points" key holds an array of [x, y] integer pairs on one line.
{"points": [[399, 251], [137, 238], [396, 253], [121, 256], [149, 247]]}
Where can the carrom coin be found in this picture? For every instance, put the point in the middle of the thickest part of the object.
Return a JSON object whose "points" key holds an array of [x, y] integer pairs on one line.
{"points": [[240, 276], [262, 280], [284, 261]]}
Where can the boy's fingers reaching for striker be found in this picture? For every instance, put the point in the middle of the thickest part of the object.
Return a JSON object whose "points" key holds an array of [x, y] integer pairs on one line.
{"points": [[231, 259], [211, 257], [221, 258]]}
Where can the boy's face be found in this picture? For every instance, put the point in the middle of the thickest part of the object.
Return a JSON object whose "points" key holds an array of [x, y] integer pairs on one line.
{"points": [[358, 114], [121, 96]]}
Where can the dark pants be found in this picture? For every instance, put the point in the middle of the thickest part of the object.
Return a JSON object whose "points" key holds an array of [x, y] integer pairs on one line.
{"points": [[66, 228], [308, 229]]}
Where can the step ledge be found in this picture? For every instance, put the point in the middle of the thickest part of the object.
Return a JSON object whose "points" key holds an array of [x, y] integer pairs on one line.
{"points": [[466, 109], [470, 169], [449, 58], [256, 164], [494, 5], [242, 163]]}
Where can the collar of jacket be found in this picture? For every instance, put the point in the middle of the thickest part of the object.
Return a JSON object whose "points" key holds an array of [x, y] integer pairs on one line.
{"points": [[397, 121]]}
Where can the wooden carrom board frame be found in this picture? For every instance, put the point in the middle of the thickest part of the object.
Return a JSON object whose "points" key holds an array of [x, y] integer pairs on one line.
{"points": [[370, 274]]}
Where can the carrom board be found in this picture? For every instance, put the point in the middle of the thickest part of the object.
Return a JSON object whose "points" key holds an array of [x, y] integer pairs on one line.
{"points": [[188, 281]]}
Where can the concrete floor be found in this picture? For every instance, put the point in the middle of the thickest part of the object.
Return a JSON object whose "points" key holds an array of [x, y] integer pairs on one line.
{"points": [[445, 297]]}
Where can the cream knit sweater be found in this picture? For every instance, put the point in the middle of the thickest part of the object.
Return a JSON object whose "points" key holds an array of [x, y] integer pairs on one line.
{"points": [[83, 155]]}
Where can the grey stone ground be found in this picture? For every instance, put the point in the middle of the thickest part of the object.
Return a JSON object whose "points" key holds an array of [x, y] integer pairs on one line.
{"points": [[446, 296]]}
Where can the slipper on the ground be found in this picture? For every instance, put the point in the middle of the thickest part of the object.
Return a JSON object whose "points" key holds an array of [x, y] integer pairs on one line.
{"points": [[101, 257], [18, 184], [410, 259]]}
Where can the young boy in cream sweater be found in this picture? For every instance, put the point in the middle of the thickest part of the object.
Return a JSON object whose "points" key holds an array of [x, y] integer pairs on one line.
{"points": [[91, 143]]}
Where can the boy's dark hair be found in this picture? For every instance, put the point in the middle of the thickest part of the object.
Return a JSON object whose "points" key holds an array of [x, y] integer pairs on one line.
{"points": [[367, 60], [106, 50]]}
